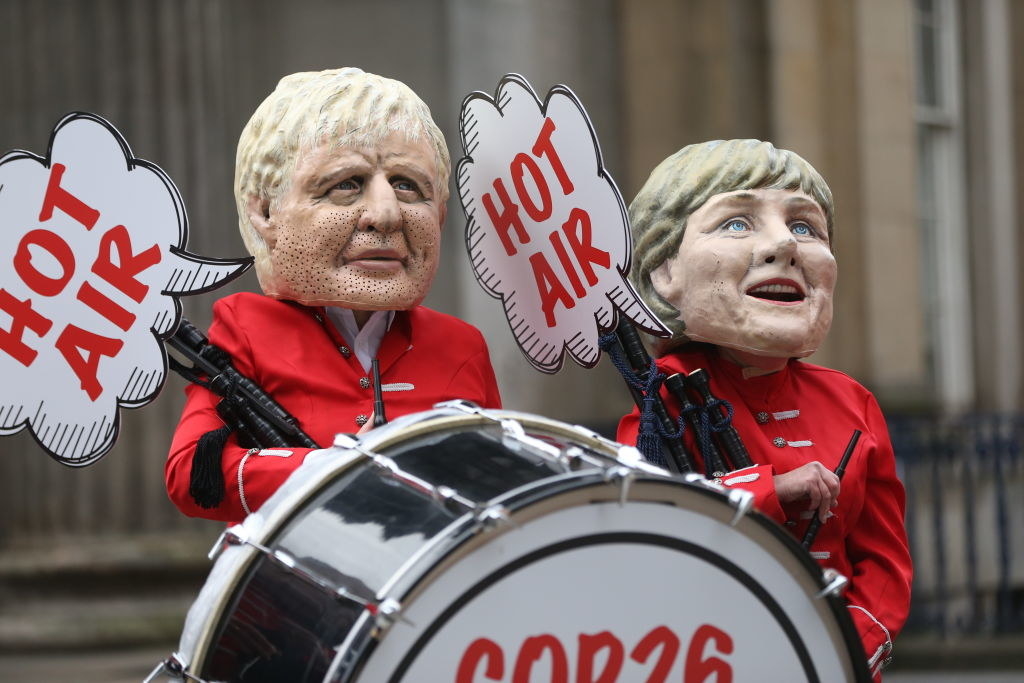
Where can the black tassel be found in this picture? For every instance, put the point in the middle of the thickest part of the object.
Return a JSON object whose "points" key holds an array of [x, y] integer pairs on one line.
{"points": [[207, 481]]}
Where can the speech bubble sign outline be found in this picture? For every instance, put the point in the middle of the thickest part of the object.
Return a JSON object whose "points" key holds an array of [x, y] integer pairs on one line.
{"points": [[623, 298], [183, 273]]}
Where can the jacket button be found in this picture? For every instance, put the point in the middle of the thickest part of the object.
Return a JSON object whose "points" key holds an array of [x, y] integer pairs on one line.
{"points": [[364, 382], [345, 351], [762, 418], [362, 419], [779, 442]]}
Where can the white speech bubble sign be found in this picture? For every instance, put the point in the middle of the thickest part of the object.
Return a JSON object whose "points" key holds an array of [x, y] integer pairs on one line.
{"points": [[92, 260], [547, 230]]}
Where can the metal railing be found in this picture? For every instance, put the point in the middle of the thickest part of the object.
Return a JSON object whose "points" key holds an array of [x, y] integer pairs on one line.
{"points": [[965, 520]]}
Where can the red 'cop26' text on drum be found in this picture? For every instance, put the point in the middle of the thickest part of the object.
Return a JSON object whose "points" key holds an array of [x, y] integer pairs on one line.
{"points": [[467, 545]]}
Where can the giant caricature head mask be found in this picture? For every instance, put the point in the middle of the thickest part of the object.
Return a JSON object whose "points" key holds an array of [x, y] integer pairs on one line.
{"points": [[341, 180], [733, 247]]}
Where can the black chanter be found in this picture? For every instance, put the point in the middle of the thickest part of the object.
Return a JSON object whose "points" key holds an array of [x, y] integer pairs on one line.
{"points": [[258, 420]]}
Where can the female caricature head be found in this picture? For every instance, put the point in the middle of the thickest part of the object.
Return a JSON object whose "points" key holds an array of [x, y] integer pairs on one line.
{"points": [[732, 246]]}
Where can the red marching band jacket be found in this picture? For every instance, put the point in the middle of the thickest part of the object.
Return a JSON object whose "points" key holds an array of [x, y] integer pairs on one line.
{"points": [[801, 414], [295, 355]]}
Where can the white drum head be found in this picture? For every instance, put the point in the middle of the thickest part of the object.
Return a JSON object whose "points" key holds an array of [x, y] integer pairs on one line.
{"points": [[629, 592]]}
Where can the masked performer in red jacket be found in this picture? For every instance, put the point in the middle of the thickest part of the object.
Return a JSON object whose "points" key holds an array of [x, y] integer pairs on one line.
{"points": [[733, 250], [341, 182]]}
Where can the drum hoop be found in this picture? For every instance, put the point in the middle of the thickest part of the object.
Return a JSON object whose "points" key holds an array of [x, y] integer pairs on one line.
{"points": [[427, 424]]}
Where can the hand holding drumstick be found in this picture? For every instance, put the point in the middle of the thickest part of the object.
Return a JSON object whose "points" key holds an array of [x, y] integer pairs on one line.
{"points": [[816, 482]]}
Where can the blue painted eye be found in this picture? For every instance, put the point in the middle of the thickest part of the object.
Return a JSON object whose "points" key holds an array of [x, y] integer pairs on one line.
{"points": [[736, 226], [801, 229]]}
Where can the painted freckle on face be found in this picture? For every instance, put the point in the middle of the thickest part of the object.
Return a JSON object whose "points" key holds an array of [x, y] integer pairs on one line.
{"points": [[366, 241]]}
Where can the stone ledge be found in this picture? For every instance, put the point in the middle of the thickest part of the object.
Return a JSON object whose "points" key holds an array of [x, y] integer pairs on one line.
{"points": [[914, 652], [82, 594], [105, 553], [92, 624]]}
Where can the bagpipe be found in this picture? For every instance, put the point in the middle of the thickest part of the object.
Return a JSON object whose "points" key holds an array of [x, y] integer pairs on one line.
{"points": [[249, 412], [256, 419]]}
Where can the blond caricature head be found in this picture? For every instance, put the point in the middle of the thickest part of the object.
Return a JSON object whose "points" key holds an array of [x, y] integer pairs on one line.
{"points": [[341, 179]]}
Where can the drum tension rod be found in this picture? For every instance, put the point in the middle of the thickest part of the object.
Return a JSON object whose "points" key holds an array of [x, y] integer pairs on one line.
{"points": [[487, 516], [622, 477], [237, 535], [446, 496], [741, 500]]}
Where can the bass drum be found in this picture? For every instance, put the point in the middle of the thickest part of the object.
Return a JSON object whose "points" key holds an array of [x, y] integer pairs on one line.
{"points": [[468, 545]]}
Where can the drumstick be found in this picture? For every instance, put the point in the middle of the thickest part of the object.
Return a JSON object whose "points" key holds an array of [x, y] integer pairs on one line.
{"points": [[812, 529]]}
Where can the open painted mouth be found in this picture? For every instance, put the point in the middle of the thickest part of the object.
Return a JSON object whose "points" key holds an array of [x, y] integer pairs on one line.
{"points": [[376, 259], [777, 291]]}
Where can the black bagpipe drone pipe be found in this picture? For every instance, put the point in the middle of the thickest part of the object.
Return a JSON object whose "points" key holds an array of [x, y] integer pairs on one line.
{"points": [[720, 445], [247, 410]]}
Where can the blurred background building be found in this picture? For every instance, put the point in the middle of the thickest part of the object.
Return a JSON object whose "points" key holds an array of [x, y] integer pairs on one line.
{"points": [[911, 109]]}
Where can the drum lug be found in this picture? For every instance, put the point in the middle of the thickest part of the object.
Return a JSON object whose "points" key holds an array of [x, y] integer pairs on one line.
{"points": [[234, 535], [835, 584], [343, 593], [572, 459], [172, 668], [622, 477], [385, 614], [218, 546], [743, 501], [461, 405], [347, 441], [512, 430], [166, 668], [630, 456], [492, 517]]}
